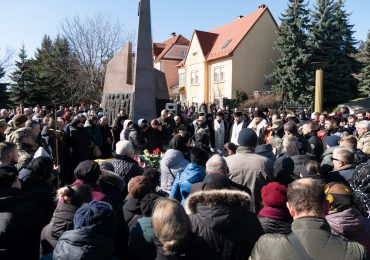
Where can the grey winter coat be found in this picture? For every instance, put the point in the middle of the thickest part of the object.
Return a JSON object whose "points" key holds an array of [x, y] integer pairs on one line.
{"points": [[250, 170], [172, 162]]}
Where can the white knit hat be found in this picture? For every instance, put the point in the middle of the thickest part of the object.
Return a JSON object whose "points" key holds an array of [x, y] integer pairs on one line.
{"points": [[124, 148]]}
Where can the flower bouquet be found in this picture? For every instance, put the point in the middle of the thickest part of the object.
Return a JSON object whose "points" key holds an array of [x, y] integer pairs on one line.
{"points": [[153, 158]]}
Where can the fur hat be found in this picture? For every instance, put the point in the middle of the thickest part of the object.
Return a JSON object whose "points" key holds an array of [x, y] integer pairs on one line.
{"points": [[139, 186], [88, 171], [247, 137], [274, 195], [98, 215], [19, 119], [22, 132]]}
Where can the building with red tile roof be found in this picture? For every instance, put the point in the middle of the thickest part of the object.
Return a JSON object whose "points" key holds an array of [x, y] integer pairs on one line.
{"points": [[167, 56], [235, 56]]}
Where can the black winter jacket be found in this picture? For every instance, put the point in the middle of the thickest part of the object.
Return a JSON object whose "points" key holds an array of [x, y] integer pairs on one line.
{"points": [[132, 211], [83, 244], [126, 167], [21, 223], [62, 221], [275, 226], [223, 220]]}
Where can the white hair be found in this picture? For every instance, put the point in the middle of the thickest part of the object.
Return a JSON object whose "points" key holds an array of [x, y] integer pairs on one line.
{"points": [[124, 148], [364, 124], [217, 164]]}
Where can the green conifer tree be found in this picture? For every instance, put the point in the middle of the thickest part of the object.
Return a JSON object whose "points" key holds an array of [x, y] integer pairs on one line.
{"points": [[4, 94], [364, 75], [292, 70], [44, 83], [330, 42], [22, 91]]}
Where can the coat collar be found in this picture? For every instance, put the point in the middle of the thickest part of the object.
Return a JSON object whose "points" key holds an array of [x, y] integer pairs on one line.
{"points": [[245, 149]]}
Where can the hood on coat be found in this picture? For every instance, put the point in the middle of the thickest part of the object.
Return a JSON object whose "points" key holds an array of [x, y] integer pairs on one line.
{"points": [[347, 222], [211, 198], [174, 159], [218, 209]]}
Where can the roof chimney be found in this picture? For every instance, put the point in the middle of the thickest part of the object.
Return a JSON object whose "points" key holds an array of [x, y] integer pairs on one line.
{"points": [[173, 34], [239, 17], [261, 6]]}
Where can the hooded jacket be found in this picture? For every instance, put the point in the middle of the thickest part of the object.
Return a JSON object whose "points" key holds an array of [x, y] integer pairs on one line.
{"points": [[181, 186], [172, 163], [350, 224], [221, 218]]}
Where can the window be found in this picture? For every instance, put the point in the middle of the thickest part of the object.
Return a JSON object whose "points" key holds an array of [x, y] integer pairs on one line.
{"points": [[226, 43], [222, 74], [195, 53], [194, 77], [183, 54], [181, 79], [218, 74]]}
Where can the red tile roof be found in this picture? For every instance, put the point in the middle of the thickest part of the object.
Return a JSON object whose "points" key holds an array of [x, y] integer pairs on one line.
{"points": [[214, 43], [160, 49]]}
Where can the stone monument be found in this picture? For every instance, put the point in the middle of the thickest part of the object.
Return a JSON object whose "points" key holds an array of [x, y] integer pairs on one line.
{"points": [[131, 82]]}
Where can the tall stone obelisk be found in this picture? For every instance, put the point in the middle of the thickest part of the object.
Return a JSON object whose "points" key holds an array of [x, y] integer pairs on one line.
{"points": [[143, 103]]}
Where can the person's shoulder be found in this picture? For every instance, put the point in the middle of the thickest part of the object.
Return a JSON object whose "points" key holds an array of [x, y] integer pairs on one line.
{"points": [[272, 246]]}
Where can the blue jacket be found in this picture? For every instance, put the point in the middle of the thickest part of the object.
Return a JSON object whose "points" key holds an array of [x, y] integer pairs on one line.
{"points": [[181, 186]]}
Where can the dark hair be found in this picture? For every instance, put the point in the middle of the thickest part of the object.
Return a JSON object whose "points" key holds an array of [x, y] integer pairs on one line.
{"points": [[198, 156], [41, 166], [291, 127], [177, 143], [8, 175], [332, 120], [76, 121], [153, 175], [231, 146], [6, 148], [307, 195], [312, 167]]}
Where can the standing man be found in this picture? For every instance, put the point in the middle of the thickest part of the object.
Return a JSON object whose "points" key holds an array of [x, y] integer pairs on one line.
{"points": [[219, 132], [249, 169], [311, 236], [308, 131], [236, 127]]}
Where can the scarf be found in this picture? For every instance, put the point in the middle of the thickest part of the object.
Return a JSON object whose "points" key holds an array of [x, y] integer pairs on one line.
{"points": [[275, 213]]}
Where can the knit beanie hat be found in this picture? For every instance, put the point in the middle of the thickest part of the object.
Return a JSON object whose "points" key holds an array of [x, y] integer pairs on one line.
{"points": [[247, 137], [274, 195], [139, 186], [147, 204], [215, 181], [98, 215], [88, 171], [19, 119], [332, 140], [339, 196]]}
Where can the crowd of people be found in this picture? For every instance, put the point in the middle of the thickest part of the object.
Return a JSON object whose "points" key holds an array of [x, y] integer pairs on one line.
{"points": [[229, 184]]}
